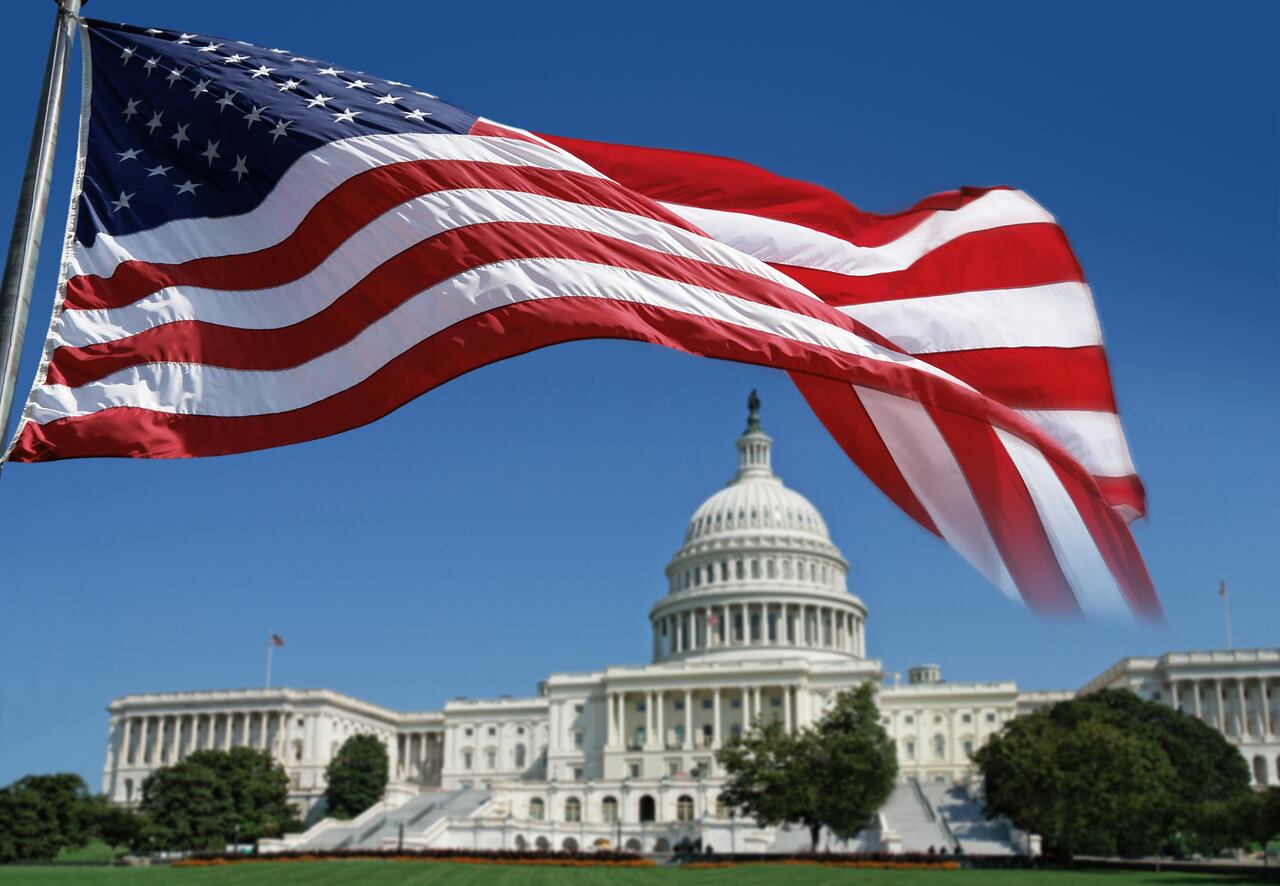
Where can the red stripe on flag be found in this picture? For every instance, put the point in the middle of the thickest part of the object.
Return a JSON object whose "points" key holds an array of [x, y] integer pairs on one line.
{"points": [[341, 213], [842, 413], [1011, 515], [420, 266], [712, 182], [1117, 546], [1034, 378], [1008, 257]]}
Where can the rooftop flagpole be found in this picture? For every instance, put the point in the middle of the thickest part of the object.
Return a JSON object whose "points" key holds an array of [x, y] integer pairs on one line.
{"points": [[28, 219], [1226, 611]]}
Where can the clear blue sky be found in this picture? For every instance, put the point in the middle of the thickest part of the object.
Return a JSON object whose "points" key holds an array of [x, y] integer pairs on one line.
{"points": [[517, 521]]}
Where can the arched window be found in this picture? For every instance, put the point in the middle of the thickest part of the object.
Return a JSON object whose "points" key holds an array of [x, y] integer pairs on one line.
{"points": [[770, 570], [724, 570], [786, 569], [711, 573], [609, 809], [573, 809], [1260, 769], [521, 843], [939, 747], [648, 808], [755, 568], [128, 790], [661, 845], [684, 808], [537, 810], [490, 758], [569, 845], [468, 759], [520, 756], [738, 570], [723, 809], [543, 844], [634, 845]]}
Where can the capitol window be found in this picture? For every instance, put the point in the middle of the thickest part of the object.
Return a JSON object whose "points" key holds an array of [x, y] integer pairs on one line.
{"points": [[493, 731], [466, 759], [577, 739], [684, 808], [738, 571], [991, 717], [939, 746], [634, 768], [640, 707], [467, 732], [572, 809], [966, 718], [537, 809], [609, 809], [908, 719], [491, 758], [910, 749]]}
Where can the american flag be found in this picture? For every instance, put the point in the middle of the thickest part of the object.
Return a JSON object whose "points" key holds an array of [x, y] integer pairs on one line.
{"points": [[265, 248], [275, 640]]}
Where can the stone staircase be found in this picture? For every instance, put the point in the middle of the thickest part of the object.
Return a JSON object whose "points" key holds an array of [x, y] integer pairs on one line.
{"points": [[910, 815], [379, 826], [968, 822]]}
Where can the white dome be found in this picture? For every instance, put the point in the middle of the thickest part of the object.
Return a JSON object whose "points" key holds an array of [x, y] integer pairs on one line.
{"points": [[759, 555], [759, 504]]}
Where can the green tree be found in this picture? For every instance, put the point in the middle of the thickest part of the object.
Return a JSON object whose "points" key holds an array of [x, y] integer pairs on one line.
{"points": [[834, 774], [1109, 774], [40, 815], [357, 776], [117, 826], [213, 798]]}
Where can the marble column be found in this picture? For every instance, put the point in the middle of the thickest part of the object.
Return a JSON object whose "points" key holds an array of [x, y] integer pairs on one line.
{"points": [[1243, 721], [658, 725], [127, 741], [715, 717], [145, 750], [1195, 686], [1218, 707], [786, 709], [688, 719]]}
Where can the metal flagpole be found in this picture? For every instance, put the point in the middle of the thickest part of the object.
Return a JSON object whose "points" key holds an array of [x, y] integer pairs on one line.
{"points": [[28, 219], [271, 647], [1226, 611]]}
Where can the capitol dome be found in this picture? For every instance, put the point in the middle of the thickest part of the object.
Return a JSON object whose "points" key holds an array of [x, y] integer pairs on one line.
{"points": [[757, 570]]}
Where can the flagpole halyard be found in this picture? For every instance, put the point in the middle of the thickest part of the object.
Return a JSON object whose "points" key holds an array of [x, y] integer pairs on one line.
{"points": [[29, 216]]}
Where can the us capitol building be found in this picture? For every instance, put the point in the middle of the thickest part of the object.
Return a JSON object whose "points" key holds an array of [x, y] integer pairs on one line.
{"points": [[757, 624]]}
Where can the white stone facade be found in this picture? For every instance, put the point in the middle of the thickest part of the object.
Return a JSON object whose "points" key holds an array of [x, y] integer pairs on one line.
{"points": [[757, 624]]}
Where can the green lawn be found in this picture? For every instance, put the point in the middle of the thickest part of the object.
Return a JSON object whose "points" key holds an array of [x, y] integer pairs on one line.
{"points": [[390, 873]]}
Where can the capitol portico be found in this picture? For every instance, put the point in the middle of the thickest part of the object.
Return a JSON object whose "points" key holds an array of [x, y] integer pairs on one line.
{"points": [[757, 624]]}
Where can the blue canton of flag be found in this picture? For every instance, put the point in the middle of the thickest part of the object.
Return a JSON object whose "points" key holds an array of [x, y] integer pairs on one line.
{"points": [[187, 125]]}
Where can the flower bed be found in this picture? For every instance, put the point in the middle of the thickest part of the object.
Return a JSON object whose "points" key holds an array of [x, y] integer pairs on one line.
{"points": [[560, 859]]}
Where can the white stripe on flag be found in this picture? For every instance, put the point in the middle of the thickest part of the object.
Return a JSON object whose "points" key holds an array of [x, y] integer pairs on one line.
{"points": [[930, 469], [384, 238], [307, 181], [196, 388], [1057, 315], [792, 244], [1095, 439], [1087, 572]]}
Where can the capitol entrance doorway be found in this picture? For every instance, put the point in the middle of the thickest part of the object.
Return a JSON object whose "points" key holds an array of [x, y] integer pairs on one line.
{"points": [[647, 809]]}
